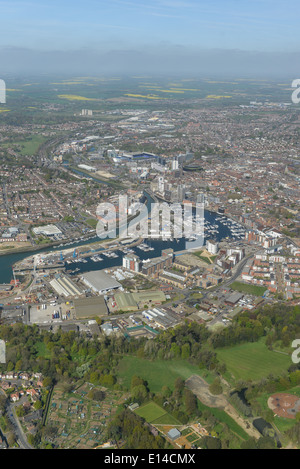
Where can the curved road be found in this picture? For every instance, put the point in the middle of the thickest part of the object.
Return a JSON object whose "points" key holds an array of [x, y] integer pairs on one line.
{"points": [[20, 436]]}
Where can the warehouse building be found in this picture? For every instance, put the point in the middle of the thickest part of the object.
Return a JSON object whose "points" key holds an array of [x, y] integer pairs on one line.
{"points": [[161, 318], [65, 287], [126, 302], [99, 282], [90, 307], [234, 298], [136, 301], [153, 296], [48, 230]]}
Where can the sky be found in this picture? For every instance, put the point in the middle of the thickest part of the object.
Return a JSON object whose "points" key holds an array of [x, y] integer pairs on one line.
{"points": [[60, 33]]}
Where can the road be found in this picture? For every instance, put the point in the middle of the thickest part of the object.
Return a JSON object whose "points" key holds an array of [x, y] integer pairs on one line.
{"points": [[20, 436]]}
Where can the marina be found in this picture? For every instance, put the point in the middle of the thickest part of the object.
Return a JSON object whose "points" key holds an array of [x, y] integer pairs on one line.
{"points": [[90, 254]]}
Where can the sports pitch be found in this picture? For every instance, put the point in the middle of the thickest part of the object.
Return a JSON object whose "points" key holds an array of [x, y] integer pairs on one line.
{"points": [[155, 414]]}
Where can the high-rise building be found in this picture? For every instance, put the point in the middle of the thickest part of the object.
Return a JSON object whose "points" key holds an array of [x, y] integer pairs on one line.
{"points": [[161, 185], [181, 192], [212, 247], [131, 262], [174, 164]]}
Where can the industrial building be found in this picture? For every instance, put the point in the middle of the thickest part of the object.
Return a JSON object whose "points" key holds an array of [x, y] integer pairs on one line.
{"points": [[48, 230], [234, 298], [161, 318], [141, 331], [149, 296], [109, 328], [100, 282], [136, 301], [125, 302], [65, 287], [90, 307]]}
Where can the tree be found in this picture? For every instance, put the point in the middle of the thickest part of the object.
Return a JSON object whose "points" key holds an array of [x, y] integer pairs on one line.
{"points": [[38, 405], [47, 382], [3, 400], [50, 431], [211, 443], [139, 393], [216, 387], [179, 384], [136, 381], [190, 402], [20, 411], [185, 351]]}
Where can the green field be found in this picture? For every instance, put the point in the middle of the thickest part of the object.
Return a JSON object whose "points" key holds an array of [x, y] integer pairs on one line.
{"points": [[157, 373], [28, 146], [166, 419], [150, 411], [155, 414], [250, 289], [253, 361]]}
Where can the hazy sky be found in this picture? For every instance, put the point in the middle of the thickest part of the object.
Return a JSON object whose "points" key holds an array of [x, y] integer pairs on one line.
{"points": [[155, 28]]}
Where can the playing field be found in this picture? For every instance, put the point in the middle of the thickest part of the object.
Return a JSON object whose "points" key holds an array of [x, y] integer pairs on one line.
{"points": [[155, 414], [150, 411], [253, 361], [250, 289]]}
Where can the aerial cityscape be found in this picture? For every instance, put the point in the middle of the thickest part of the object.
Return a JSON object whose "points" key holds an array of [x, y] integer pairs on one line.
{"points": [[149, 242]]}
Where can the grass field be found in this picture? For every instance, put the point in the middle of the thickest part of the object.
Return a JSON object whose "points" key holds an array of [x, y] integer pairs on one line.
{"points": [[157, 373], [250, 289], [155, 414], [150, 411], [253, 361], [28, 146], [166, 419]]}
